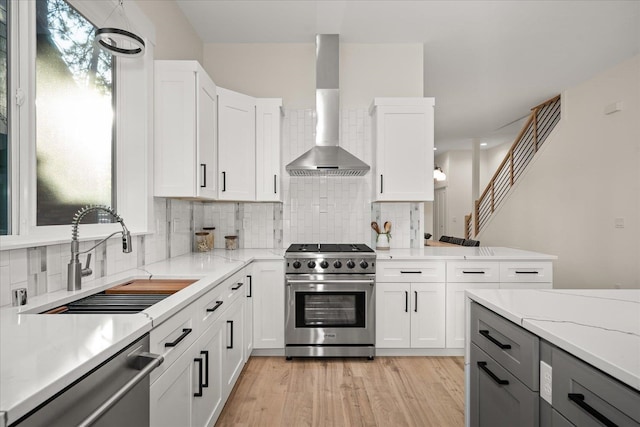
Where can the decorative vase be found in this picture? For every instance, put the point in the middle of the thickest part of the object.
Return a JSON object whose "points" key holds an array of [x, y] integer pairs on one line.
{"points": [[382, 241]]}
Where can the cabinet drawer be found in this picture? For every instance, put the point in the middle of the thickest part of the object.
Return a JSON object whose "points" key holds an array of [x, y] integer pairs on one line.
{"points": [[410, 271], [211, 305], [538, 272], [582, 393], [173, 337], [473, 271], [497, 397], [514, 348]]}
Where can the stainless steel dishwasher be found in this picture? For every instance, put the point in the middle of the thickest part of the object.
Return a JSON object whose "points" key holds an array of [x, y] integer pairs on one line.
{"points": [[116, 393]]}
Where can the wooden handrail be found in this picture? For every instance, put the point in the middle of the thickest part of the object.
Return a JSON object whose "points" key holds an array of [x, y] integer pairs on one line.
{"points": [[532, 125]]}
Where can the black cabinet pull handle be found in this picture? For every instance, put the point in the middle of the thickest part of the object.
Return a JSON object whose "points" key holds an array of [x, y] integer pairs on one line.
{"points": [[381, 184], [215, 307], [275, 179], [203, 166], [198, 360], [578, 399], [410, 272], [526, 272], [406, 301], [485, 334], [237, 286], [205, 382], [224, 181], [415, 309], [185, 332], [230, 322], [483, 366], [250, 287], [472, 272]]}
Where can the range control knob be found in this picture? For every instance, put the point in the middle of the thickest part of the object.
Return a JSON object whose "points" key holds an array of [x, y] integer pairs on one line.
{"points": [[311, 264], [337, 264], [296, 264], [364, 264], [324, 264], [351, 264]]}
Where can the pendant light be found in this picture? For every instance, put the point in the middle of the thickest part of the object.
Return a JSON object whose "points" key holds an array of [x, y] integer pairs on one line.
{"points": [[438, 175], [113, 40]]}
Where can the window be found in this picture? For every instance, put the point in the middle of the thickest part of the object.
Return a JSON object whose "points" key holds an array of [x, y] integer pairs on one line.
{"points": [[49, 47], [5, 173], [74, 116]]}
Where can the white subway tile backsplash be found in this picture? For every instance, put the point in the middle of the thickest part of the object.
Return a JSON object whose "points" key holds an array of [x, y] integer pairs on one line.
{"points": [[18, 265]]}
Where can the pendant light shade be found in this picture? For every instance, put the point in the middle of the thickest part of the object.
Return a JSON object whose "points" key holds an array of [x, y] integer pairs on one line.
{"points": [[119, 42], [111, 40], [438, 175]]}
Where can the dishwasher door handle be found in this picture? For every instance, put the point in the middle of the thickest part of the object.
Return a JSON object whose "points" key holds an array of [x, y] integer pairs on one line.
{"points": [[154, 360]]}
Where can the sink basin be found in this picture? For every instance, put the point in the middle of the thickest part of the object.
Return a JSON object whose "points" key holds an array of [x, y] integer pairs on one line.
{"points": [[126, 298]]}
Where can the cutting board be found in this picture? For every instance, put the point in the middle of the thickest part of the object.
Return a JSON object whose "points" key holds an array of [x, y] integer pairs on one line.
{"points": [[155, 286]]}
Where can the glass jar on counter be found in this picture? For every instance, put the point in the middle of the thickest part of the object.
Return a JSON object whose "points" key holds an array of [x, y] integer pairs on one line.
{"points": [[201, 241], [231, 242]]}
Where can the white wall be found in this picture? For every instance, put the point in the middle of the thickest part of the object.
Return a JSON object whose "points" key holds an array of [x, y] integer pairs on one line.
{"points": [[175, 37], [565, 205], [490, 159], [288, 71]]}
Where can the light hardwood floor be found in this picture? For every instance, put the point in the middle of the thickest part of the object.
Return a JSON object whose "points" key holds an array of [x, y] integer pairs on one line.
{"points": [[388, 391]]}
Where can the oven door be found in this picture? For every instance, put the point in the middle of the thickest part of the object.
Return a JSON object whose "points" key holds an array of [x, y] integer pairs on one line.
{"points": [[330, 310]]}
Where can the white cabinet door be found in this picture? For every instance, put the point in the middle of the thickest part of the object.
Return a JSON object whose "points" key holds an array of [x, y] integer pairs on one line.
{"points": [[393, 319], [403, 135], [268, 150], [455, 311], [171, 394], [208, 349], [185, 131], [427, 315], [268, 304], [248, 314], [233, 351], [236, 146]]}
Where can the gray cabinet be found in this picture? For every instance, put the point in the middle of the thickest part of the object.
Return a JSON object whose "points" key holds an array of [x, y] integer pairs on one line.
{"points": [[587, 397], [504, 372]]}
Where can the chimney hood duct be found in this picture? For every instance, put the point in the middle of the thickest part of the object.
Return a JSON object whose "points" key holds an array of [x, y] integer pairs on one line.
{"points": [[326, 157]]}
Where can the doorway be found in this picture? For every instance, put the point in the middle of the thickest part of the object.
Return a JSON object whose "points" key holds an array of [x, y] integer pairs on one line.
{"points": [[440, 213]]}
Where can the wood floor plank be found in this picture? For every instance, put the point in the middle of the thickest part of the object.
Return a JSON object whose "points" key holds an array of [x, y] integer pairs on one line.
{"points": [[388, 391]]}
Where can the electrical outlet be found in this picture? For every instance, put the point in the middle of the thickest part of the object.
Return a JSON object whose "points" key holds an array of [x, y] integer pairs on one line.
{"points": [[546, 377]]}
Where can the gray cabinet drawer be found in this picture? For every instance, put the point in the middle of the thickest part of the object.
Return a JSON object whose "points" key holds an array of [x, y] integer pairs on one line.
{"points": [[582, 394], [510, 345], [497, 398]]}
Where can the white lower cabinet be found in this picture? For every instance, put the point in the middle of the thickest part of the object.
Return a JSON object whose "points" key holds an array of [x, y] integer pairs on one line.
{"points": [[410, 315], [206, 353], [268, 304], [248, 315], [455, 311], [189, 393]]}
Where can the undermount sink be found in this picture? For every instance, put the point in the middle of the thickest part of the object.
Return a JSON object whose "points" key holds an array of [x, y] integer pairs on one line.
{"points": [[130, 297]]}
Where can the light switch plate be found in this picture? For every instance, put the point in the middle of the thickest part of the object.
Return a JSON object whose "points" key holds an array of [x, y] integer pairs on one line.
{"points": [[546, 377]]}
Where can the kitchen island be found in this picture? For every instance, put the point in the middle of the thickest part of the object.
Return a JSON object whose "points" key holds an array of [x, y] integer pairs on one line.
{"points": [[591, 337]]}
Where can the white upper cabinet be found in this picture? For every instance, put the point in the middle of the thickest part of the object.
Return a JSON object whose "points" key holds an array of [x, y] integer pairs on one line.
{"points": [[403, 149], [268, 119], [236, 146], [185, 131]]}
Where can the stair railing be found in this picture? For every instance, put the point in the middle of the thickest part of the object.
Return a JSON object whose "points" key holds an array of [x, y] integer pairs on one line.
{"points": [[541, 121]]}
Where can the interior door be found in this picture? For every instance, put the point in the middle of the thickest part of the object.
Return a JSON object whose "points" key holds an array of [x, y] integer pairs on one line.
{"points": [[440, 213]]}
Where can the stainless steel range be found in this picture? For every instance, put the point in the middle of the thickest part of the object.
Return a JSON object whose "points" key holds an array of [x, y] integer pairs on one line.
{"points": [[330, 304]]}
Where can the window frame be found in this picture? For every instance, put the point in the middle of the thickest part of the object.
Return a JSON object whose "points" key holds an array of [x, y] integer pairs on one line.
{"points": [[133, 134]]}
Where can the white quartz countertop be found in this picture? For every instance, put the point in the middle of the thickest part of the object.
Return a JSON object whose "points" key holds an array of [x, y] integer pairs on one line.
{"points": [[42, 354], [463, 253], [599, 326]]}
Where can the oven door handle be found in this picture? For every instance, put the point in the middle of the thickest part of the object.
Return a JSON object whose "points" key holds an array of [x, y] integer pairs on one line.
{"points": [[324, 282]]}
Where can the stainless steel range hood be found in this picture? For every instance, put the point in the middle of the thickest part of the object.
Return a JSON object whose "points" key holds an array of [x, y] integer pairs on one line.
{"points": [[326, 157]]}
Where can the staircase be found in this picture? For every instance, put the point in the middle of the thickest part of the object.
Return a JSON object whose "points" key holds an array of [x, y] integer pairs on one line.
{"points": [[541, 121]]}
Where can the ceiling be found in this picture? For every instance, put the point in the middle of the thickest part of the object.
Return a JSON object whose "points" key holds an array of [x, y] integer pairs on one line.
{"points": [[486, 62]]}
